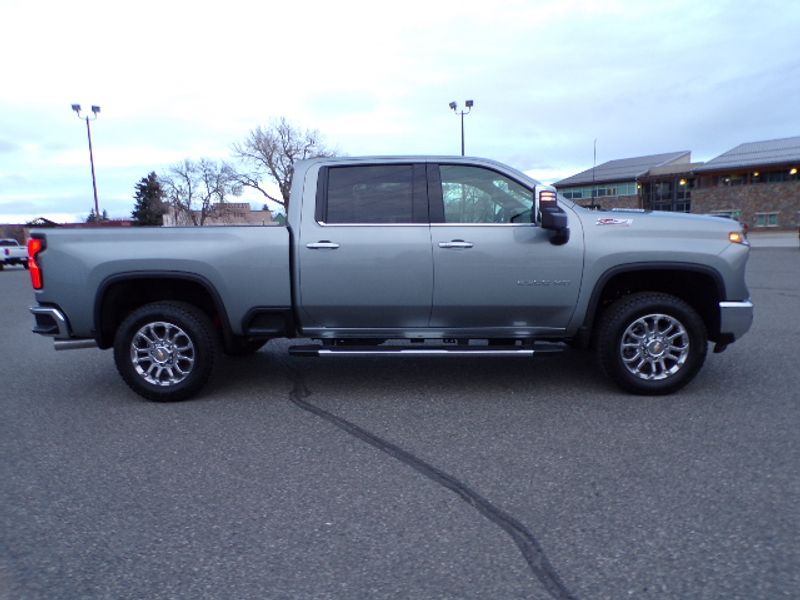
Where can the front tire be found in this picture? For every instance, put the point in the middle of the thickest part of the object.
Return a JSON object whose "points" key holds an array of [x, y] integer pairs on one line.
{"points": [[651, 343], [165, 351]]}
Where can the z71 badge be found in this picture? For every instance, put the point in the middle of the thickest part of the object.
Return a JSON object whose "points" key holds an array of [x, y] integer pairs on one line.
{"points": [[614, 221]]}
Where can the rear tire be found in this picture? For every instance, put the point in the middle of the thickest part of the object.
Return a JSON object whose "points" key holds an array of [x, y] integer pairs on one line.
{"points": [[651, 343], [165, 351]]}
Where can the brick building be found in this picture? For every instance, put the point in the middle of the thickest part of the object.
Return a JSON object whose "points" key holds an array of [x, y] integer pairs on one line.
{"points": [[756, 182], [616, 183], [227, 213]]}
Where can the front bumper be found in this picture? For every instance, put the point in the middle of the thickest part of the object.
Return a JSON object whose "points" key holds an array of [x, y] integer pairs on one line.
{"points": [[735, 318]]}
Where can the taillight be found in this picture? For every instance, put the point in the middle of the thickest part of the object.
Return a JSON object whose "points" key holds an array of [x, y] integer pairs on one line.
{"points": [[35, 245]]}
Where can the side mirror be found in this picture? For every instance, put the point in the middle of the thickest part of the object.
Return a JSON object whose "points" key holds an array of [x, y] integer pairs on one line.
{"points": [[555, 219]]}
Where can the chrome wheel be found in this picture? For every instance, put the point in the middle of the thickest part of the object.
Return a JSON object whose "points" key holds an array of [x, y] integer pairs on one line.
{"points": [[654, 347], [162, 353]]}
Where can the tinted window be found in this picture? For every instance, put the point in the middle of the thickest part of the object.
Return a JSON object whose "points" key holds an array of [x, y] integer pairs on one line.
{"points": [[370, 194], [477, 195]]}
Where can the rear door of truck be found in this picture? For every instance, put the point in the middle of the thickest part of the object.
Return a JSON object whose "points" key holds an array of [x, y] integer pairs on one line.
{"points": [[365, 259]]}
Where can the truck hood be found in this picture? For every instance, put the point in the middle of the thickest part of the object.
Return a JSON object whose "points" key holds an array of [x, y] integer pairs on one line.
{"points": [[658, 222], [633, 236]]}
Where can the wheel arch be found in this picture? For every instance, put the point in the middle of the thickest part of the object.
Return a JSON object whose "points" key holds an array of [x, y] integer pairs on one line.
{"points": [[120, 294], [700, 286]]}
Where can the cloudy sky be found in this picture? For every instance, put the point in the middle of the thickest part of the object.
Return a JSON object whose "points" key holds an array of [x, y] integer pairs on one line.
{"points": [[182, 80]]}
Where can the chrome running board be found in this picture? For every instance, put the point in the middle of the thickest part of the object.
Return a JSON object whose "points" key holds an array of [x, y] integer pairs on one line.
{"points": [[317, 350]]}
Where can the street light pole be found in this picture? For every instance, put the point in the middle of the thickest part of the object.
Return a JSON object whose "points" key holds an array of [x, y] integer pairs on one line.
{"points": [[95, 111], [468, 105]]}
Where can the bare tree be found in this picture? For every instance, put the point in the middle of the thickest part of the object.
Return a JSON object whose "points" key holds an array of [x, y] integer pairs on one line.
{"points": [[269, 153], [192, 188]]}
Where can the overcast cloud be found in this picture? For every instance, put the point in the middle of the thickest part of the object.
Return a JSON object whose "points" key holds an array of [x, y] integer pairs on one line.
{"points": [[182, 80]]}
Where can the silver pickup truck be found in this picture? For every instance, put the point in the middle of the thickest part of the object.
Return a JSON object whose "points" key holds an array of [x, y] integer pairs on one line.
{"points": [[402, 256]]}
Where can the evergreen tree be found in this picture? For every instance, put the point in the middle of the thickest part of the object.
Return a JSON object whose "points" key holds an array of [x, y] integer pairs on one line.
{"points": [[149, 209], [92, 217]]}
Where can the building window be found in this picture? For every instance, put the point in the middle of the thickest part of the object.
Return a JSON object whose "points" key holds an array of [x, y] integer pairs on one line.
{"points": [[601, 190], [663, 191], [776, 177], [767, 219]]}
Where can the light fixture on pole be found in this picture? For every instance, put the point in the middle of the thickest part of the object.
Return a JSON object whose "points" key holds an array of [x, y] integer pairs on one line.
{"points": [[468, 104], [87, 118]]}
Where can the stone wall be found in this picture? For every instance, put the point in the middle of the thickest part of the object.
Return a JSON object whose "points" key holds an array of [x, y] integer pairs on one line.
{"points": [[783, 198]]}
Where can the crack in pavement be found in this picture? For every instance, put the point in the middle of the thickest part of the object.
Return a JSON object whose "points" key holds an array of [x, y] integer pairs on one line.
{"points": [[528, 545]]}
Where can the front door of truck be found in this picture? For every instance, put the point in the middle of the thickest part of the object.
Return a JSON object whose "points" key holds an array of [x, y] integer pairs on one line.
{"points": [[365, 262], [495, 272]]}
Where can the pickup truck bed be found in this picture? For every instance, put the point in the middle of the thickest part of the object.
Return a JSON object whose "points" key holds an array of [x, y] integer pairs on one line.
{"points": [[114, 270]]}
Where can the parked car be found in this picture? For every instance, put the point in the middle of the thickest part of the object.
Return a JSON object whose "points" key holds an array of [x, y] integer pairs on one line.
{"points": [[402, 256], [12, 253]]}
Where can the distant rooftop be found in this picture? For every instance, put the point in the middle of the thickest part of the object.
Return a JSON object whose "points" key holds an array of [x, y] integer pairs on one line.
{"points": [[625, 169], [785, 151], [674, 169]]}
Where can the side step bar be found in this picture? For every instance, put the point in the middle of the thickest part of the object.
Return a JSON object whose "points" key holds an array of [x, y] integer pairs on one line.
{"points": [[317, 350]]}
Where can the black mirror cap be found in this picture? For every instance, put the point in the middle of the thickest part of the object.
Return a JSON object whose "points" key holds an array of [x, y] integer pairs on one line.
{"points": [[555, 219]]}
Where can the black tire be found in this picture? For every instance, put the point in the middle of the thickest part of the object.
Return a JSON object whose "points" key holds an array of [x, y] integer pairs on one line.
{"points": [[241, 347], [25, 264], [173, 358], [665, 343]]}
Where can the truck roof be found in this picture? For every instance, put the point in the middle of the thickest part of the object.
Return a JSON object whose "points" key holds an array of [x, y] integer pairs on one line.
{"points": [[467, 160]]}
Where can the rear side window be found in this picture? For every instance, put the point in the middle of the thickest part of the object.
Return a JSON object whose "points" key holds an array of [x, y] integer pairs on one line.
{"points": [[370, 194]]}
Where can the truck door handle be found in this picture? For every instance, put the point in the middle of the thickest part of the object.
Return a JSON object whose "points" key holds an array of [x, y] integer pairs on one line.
{"points": [[323, 245], [456, 244]]}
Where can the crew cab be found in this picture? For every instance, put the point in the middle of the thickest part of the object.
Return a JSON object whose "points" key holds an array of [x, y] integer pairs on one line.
{"points": [[402, 256]]}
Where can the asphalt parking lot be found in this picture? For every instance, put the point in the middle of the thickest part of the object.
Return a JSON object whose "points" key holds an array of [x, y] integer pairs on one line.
{"points": [[404, 478]]}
